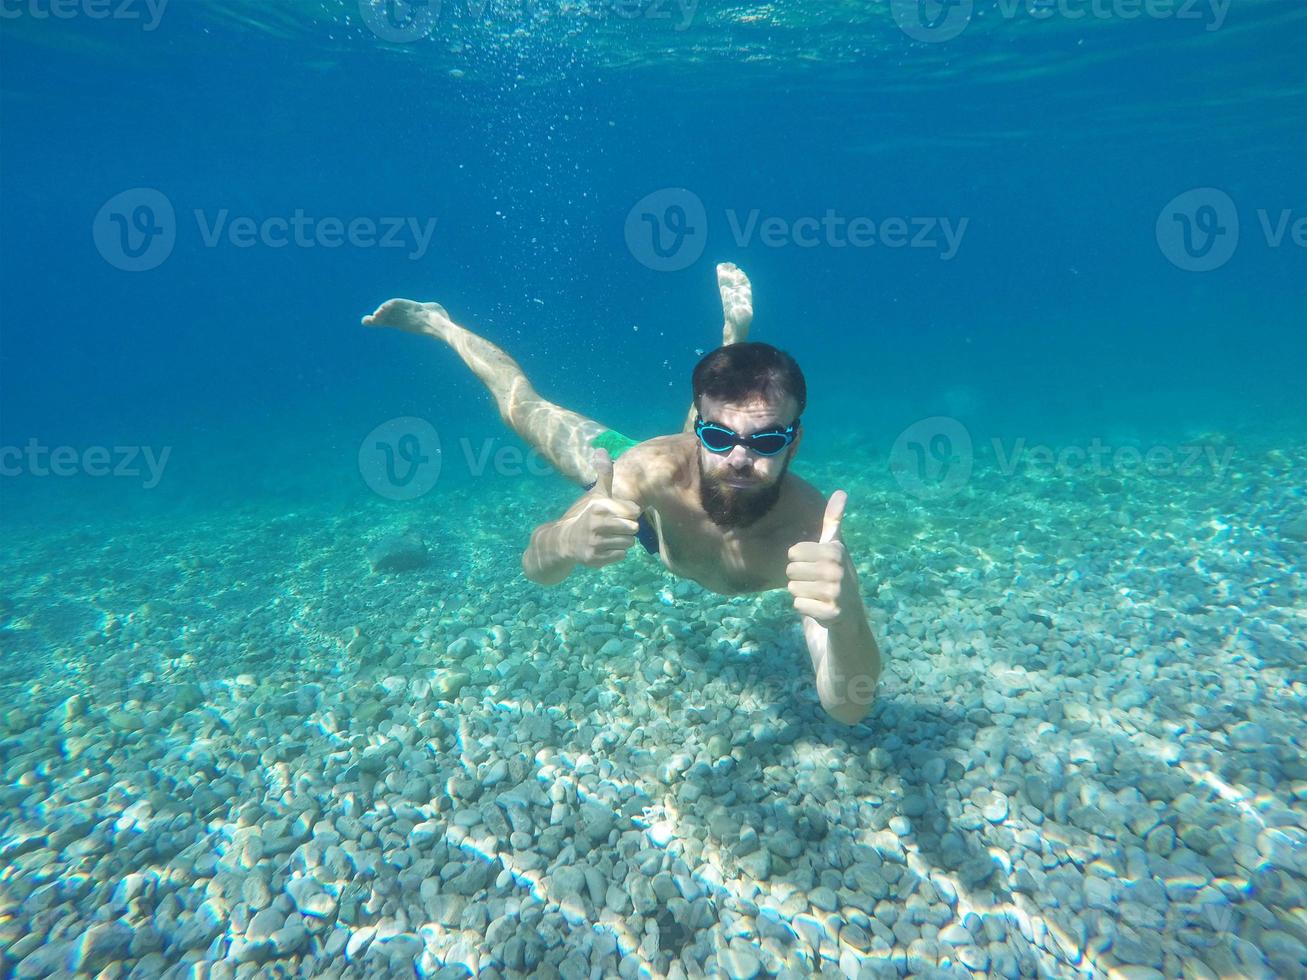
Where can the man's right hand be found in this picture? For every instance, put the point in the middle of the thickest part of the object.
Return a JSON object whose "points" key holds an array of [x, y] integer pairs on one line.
{"points": [[605, 529]]}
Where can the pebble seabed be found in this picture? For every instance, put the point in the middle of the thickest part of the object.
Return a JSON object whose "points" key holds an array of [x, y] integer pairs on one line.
{"points": [[231, 749]]}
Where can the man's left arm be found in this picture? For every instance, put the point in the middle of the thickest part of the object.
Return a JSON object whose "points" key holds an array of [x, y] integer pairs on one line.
{"points": [[844, 654]]}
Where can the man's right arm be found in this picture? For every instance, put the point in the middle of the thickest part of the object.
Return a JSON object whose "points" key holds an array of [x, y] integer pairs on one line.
{"points": [[547, 559], [596, 531]]}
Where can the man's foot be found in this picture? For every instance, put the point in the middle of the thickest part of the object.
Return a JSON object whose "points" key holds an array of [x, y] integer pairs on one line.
{"points": [[411, 317], [737, 303]]}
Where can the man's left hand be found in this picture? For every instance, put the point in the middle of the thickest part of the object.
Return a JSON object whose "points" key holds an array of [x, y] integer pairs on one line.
{"points": [[820, 576]]}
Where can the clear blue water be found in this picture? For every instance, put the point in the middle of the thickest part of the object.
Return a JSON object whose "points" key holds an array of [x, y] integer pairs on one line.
{"points": [[1058, 141], [1059, 150]]}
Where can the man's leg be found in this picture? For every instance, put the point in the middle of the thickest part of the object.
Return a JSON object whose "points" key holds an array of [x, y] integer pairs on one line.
{"points": [[561, 436], [737, 312]]}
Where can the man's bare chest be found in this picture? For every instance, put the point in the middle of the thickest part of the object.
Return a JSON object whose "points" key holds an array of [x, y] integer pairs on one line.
{"points": [[729, 565]]}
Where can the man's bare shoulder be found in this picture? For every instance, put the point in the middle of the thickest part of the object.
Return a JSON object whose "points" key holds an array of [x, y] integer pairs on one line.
{"points": [[661, 455], [806, 505], [656, 463]]}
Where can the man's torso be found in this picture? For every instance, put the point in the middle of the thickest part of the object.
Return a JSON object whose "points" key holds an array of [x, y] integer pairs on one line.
{"points": [[662, 474]]}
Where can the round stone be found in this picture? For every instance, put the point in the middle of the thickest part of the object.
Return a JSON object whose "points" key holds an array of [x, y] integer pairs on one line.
{"points": [[995, 811], [739, 962]]}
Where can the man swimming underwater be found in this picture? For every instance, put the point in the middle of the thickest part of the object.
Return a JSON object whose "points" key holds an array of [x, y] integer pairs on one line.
{"points": [[716, 501]]}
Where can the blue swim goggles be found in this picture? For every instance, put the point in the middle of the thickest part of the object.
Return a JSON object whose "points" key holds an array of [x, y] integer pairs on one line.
{"points": [[719, 439]]}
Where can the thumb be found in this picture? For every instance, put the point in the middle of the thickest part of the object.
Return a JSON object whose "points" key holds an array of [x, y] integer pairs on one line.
{"points": [[830, 522], [603, 464]]}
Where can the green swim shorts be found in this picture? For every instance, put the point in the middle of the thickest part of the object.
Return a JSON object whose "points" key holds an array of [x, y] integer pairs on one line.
{"points": [[616, 444], [613, 441]]}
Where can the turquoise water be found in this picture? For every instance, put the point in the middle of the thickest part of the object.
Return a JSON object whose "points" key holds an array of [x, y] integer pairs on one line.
{"points": [[276, 698]]}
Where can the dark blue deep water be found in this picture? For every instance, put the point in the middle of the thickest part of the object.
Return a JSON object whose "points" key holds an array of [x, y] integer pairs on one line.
{"points": [[276, 698], [528, 133]]}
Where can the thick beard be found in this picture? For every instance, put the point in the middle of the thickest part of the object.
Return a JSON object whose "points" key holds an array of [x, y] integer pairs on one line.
{"points": [[729, 507]]}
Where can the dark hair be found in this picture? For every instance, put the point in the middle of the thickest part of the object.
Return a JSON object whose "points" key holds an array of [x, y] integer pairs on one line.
{"points": [[737, 372]]}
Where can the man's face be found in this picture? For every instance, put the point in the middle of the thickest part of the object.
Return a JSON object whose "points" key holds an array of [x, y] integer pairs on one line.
{"points": [[736, 488]]}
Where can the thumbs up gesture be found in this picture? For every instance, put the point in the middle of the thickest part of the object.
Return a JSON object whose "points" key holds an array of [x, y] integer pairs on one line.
{"points": [[605, 527], [821, 578]]}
